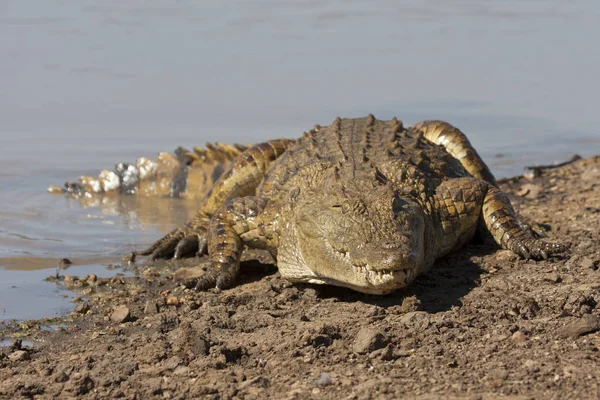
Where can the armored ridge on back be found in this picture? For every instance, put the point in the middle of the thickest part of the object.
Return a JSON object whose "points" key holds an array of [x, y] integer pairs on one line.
{"points": [[361, 203]]}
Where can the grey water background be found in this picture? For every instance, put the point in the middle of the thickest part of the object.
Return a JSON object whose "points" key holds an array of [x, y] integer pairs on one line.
{"points": [[86, 84]]}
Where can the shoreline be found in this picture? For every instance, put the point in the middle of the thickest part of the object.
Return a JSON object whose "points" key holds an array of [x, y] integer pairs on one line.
{"points": [[481, 323]]}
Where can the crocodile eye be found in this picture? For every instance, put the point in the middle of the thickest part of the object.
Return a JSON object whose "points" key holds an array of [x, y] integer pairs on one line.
{"points": [[343, 207]]}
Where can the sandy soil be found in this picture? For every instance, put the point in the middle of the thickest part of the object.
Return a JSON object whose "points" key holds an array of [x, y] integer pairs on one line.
{"points": [[480, 324]]}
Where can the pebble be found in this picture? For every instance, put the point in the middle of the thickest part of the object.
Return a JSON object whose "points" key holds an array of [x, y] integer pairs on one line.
{"points": [[310, 294], [531, 365], [410, 304], [518, 337], [61, 376], [505, 256], [498, 374], [120, 314], [182, 370], [173, 301], [588, 263], [414, 316], [82, 308], [368, 340], [553, 277], [587, 324], [19, 355], [530, 191], [324, 380], [151, 307], [385, 354]]}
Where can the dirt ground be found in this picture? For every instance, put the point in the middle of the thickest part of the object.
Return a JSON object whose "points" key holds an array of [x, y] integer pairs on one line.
{"points": [[481, 324]]}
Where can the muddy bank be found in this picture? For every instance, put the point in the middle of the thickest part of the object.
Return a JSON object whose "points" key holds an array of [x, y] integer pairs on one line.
{"points": [[481, 324]]}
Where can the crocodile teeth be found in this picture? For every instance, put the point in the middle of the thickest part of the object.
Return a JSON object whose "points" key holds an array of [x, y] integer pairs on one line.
{"points": [[373, 274]]}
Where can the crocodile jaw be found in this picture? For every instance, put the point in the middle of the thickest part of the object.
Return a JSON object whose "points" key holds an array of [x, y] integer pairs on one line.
{"points": [[294, 266]]}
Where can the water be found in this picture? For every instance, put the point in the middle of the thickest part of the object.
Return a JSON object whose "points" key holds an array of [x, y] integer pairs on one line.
{"points": [[86, 84]]}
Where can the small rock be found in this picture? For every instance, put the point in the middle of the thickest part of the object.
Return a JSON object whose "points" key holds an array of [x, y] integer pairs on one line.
{"points": [[410, 304], [82, 308], [530, 191], [310, 294], [257, 381], [588, 263], [61, 376], [376, 312], [414, 317], [368, 340], [19, 355], [173, 301], [120, 314], [385, 354], [531, 365], [587, 324], [188, 273], [320, 340], [518, 337], [346, 382], [182, 370], [553, 277], [151, 307], [505, 256], [498, 374], [324, 380]]}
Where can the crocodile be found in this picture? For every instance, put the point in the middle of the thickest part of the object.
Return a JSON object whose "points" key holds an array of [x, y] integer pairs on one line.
{"points": [[361, 203]]}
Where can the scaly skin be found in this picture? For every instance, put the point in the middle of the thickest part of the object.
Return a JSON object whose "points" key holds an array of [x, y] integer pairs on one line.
{"points": [[184, 173], [361, 203]]}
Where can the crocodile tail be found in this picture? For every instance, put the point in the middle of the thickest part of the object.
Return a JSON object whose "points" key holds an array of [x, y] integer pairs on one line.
{"points": [[183, 173]]}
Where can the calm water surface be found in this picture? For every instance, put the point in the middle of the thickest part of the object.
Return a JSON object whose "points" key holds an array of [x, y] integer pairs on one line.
{"points": [[86, 84]]}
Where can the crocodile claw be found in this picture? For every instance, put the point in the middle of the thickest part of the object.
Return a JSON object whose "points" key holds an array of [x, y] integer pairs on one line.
{"points": [[180, 243], [527, 246], [536, 229], [214, 276], [193, 244]]}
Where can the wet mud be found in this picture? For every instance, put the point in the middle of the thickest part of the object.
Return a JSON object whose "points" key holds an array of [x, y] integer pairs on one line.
{"points": [[481, 324]]}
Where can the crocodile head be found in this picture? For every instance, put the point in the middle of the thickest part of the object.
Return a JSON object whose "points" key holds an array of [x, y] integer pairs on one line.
{"points": [[358, 234]]}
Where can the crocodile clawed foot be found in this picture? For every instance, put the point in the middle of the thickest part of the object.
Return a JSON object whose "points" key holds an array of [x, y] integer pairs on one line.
{"points": [[210, 276], [193, 244], [538, 230], [180, 243], [164, 247], [528, 246]]}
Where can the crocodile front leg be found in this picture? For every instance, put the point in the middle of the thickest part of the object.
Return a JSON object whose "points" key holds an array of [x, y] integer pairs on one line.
{"points": [[241, 179], [460, 202], [511, 233], [236, 223]]}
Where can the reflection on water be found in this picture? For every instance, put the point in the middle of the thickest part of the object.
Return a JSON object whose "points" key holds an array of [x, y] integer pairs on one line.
{"points": [[9, 342], [94, 83]]}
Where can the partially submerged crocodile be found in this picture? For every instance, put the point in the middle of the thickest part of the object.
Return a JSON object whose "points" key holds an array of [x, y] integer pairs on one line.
{"points": [[361, 203]]}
